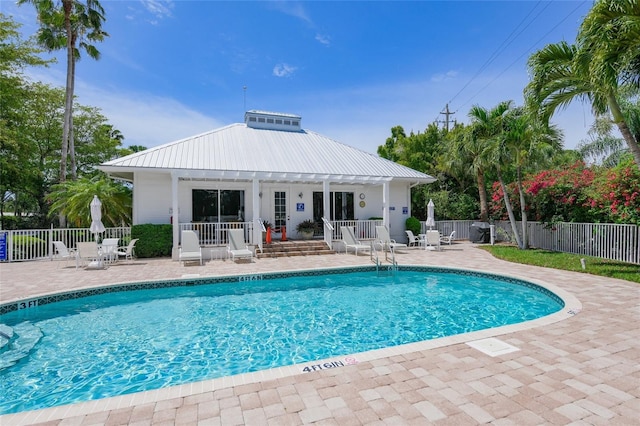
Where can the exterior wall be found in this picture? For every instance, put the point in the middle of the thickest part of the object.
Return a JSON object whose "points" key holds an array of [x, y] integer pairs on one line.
{"points": [[152, 200]]}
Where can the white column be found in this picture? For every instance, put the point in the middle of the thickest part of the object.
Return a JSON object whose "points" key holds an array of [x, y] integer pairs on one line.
{"points": [[175, 208], [255, 201], [385, 204], [326, 211]]}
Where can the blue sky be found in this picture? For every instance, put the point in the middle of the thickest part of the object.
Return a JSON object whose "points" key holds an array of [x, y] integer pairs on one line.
{"points": [[351, 69]]}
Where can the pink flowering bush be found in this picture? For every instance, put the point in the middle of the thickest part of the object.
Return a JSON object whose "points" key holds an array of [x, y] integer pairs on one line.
{"points": [[576, 194]]}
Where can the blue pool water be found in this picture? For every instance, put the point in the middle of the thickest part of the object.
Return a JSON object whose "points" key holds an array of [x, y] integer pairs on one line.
{"points": [[131, 341]]}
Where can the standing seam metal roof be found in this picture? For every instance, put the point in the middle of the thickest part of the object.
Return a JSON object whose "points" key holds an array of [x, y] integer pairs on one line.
{"points": [[244, 149]]}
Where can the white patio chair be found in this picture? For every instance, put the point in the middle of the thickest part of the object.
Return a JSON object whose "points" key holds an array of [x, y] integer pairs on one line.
{"points": [[127, 252], [190, 249], [385, 240], [449, 239], [432, 240], [237, 246], [413, 240], [109, 249], [88, 252], [62, 252], [351, 242]]}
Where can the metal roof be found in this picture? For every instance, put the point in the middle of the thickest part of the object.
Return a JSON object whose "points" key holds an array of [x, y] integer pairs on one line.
{"points": [[240, 152]]}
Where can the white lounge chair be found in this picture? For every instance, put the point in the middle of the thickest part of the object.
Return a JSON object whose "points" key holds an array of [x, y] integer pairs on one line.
{"points": [[413, 240], [449, 239], [190, 249], [385, 240], [88, 252], [62, 252], [351, 242], [127, 252], [237, 246]]}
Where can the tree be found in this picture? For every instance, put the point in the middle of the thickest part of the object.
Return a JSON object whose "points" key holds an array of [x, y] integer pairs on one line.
{"points": [[72, 198], [484, 132], [522, 140], [606, 55], [15, 55], [69, 24]]}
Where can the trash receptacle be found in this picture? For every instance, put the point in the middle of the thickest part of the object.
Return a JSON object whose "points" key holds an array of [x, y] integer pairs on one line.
{"points": [[480, 232]]}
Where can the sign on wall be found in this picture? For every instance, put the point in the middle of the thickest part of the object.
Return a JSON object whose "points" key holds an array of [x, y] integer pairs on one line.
{"points": [[299, 207]]}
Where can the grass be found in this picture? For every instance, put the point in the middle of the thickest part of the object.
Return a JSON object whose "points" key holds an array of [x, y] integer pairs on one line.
{"points": [[567, 262]]}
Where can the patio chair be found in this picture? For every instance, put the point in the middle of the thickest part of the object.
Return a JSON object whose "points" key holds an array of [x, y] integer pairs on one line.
{"points": [[62, 252], [432, 240], [237, 246], [127, 252], [190, 249], [449, 239], [350, 241], [88, 252], [413, 240], [109, 249], [385, 240]]}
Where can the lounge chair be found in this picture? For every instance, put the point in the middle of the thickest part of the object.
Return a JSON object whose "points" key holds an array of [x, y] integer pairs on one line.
{"points": [[127, 252], [237, 247], [88, 252], [62, 252], [385, 240], [413, 240], [109, 249], [190, 249], [449, 239], [350, 241], [432, 240]]}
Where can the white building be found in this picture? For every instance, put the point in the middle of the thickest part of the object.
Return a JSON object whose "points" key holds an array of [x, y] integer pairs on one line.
{"points": [[268, 167]]}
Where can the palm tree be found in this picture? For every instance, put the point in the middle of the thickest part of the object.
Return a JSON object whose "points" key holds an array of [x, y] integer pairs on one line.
{"points": [[606, 56], [72, 199], [487, 127], [72, 25], [523, 140]]}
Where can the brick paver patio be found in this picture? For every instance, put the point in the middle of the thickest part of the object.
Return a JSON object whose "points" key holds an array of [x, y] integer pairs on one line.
{"points": [[581, 368]]}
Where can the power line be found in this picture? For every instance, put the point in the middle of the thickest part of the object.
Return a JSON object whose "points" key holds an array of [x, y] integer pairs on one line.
{"points": [[510, 38]]}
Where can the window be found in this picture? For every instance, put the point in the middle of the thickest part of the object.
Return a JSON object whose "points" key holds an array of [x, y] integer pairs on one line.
{"points": [[260, 120], [341, 206], [287, 122], [252, 119], [212, 205], [270, 120], [278, 121]]}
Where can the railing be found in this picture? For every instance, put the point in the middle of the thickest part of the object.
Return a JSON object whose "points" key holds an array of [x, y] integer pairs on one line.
{"points": [[605, 240], [364, 229], [35, 244], [216, 233], [328, 232]]}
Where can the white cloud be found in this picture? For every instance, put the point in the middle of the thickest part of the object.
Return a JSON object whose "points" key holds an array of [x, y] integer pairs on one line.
{"points": [[444, 76], [284, 70], [159, 8], [323, 39], [294, 9]]}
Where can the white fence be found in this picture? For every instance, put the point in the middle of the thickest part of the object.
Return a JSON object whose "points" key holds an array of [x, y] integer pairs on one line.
{"points": [[35, 244], [605, 240]]}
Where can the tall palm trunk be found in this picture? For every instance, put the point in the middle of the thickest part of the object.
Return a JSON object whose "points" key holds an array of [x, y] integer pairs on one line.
{"points": [[507, 203], [523, 211], [68, 100], [618, 118], [482, 192]]}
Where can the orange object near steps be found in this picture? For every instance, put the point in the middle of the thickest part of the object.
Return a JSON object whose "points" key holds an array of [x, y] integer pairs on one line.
{"points": [[284, 234], [269, 235]]}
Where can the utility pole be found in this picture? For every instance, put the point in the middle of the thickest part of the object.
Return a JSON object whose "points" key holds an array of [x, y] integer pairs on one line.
{"points": [[446, 114]]}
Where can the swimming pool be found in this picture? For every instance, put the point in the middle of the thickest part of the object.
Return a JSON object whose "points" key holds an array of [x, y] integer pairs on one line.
{"points": [[103, 343]]}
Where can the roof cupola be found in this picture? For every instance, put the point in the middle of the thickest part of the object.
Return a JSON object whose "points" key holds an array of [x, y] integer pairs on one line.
{"points": [[272, 120]]}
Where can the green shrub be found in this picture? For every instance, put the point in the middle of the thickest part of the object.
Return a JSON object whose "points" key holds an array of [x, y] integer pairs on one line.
{"points": [[413, 225], [26, 244], [153, 240]]}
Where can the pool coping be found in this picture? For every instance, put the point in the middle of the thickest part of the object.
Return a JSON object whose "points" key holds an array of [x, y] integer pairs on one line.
{"points": [[572, 306]]}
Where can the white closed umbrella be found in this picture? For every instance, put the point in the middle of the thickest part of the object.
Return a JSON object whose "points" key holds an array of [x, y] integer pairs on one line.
{"points": [[96, 216], [431, 215]]}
